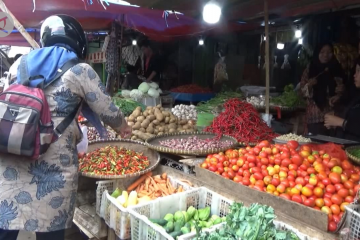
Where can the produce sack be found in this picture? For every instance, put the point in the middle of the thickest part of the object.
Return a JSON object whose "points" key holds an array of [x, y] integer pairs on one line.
{"points": [[332, 149], [82, 147]]}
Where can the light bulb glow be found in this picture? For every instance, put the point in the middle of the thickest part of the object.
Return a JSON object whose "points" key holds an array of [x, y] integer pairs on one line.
{"points": [[300, 41], [134, 42], [211, 13], [298, 33], [264, 38], [280, 46], [201, 42]]}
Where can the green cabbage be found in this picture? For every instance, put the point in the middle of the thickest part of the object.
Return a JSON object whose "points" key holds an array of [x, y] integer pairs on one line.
{"points": [[144, 87], [179, 216], [153, 93], [204, 213], [154, 85]]}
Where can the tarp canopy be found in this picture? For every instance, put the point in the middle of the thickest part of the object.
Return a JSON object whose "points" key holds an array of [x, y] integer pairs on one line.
{"points": [[148, 18]]}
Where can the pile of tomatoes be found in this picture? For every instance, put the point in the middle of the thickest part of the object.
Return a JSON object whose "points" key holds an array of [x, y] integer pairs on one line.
{"points": [[302, 175]]}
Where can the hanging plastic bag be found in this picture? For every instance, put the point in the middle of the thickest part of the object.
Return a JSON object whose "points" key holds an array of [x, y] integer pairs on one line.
{"points": [[82, 147], [286, 64]]}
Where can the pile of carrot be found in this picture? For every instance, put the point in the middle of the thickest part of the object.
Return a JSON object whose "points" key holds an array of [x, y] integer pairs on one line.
{"points": [[154, 186]]}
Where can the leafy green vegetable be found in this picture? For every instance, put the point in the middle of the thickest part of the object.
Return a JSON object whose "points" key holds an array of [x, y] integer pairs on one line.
{"points": [[217, 101], [127, 106], [355, 152], [289, 98]]}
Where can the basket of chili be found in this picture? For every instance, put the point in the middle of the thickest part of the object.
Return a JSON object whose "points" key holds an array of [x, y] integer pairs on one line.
{"points": [[117, 158], [156, 143]]}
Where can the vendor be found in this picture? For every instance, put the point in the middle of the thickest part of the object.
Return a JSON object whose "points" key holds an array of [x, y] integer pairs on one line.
{"points": [[220, 74], [322, 86], [131, 80], [151, 63], [349, 124]]}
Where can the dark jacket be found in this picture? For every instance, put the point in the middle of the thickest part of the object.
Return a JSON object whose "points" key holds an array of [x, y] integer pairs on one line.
{"points": [[351, 129]]}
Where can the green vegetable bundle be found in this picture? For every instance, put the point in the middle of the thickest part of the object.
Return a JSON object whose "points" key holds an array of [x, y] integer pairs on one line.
{"points": [[127, 106], [253, 223], [289, 98], [217, 101]]}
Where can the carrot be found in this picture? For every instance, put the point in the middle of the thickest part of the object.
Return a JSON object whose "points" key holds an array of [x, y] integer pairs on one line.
{"points": [[147, 182], [180, 189], [186, 181], [154, 184], [138, 181], [164, 176], [159, 180], [141, 187], [171, 188]]}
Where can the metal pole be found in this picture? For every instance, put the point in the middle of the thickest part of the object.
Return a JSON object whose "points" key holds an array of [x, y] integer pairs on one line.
{"points": [[19, 27], [267, 57]]}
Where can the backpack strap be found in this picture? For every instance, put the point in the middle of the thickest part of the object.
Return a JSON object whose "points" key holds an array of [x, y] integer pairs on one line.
{"points": [[60, 129]]}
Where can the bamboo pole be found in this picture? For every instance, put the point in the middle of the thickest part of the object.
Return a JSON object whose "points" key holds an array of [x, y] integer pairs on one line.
{"points": [[19, 27], [267, 58]]}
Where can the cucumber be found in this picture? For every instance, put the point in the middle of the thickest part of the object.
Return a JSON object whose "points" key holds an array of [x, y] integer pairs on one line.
{"points": [[161, 222], [176, 234]]}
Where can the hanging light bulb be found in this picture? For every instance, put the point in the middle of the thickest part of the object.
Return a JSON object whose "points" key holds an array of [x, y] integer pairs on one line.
{"points": [[201, 42], [264, 38], [280, 46], [211, 13], [298, 33], [134, 42], [300, 41]]}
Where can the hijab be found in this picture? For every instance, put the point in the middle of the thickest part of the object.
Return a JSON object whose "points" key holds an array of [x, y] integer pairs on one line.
{"points": [[326, 84]]}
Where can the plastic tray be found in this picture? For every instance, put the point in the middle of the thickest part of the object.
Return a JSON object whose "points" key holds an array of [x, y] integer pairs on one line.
{"points": [[117, 217], [352, 221], [143, 229]]}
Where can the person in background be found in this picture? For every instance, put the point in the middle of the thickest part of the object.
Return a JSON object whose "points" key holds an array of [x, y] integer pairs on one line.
{"points": [[40, 195], [131, 81], [220, 73], [348, 126], [151, 63], [321, 86]]}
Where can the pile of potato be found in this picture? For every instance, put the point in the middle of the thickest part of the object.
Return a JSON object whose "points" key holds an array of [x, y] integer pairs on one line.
{"points": [[156, 121]]}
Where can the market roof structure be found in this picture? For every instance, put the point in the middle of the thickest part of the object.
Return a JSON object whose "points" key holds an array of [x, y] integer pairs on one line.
{"points": [[150, 18]]}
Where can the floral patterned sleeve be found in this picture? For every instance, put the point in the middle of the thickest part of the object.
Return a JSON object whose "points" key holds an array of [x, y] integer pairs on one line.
{"points": [[89, 87], [305, 90]]}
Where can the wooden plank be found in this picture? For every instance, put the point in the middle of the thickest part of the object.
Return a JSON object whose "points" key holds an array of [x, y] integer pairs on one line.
{"points": [[88, 222]]}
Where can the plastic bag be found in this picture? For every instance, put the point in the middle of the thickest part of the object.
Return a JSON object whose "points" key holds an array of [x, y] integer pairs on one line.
{"points": [[334, 150], [82, 147]]}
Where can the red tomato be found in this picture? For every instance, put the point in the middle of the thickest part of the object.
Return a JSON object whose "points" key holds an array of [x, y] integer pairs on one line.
{"points": [[263, 144], [261, 189], [204, 165], [355, 177], [237, 179], [297, 198], [275, 182], [338, 186], [335, 177], [285, 196], [225, 175], [318, 192], [346, 165], [309, 203], [337, 199], [319, 202], [235, 168], [343, 192], [349, 185], [349, 199], [292, 144], [284, 155], [251, 158], [246, 181], [335, 209], [332, 226], [213, 168], [264, 161], [326, 181], [306, 191], [330, 189], [300, 180], [327, 202], [336, 218]]}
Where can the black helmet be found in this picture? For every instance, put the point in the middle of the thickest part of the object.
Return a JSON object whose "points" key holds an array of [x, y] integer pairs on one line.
{"points": [[66, 30]]}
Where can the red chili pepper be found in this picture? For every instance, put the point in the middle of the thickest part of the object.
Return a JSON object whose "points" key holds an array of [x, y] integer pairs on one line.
{"points": [[241, 121]]}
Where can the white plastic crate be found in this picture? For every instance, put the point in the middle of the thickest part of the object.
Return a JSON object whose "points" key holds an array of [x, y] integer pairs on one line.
{"points": [[143, 229], [352, 221], [101, 187], [118, 218]]}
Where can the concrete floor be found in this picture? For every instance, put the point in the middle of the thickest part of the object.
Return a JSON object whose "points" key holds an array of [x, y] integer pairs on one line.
{"points": [[31, 236]]}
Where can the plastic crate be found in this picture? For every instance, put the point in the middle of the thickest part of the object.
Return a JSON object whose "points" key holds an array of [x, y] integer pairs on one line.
{"points": [[352, 221], [143, 229], [118, 218], [101, 187]]}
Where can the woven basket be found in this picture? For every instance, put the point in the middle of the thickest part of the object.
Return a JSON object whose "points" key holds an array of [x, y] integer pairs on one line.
{"points": [[154, 143], [352, 157], [152, 155]]}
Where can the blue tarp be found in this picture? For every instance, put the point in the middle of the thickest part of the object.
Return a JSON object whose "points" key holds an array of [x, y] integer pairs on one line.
{"points": [[189, 97]]}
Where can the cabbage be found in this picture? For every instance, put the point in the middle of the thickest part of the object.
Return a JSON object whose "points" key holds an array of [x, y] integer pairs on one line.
{"points": [[144, 87], [125, 93], [191, 211], [153, 93], [179, 216], [136, 94], [154, 85], [204, 213]]}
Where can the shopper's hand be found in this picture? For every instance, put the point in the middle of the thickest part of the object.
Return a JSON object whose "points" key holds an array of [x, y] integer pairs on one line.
{"points": [[333, 121], [125, 131], [333, 100], [312, 82]]}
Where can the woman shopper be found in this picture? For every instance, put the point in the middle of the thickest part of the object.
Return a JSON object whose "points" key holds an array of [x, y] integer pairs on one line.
{"points": [[322, 86], [40, 195], [348, 125]]}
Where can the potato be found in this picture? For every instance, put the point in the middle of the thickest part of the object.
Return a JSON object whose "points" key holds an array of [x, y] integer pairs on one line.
{"points": [[145, 123], [151, 125], [150, 130], [133, 138], [151, 117], [159, 116], [156, 132], [145, 113], [160, 133], [189, 131], [137, 126], [131, 124], [183, 122], [156, 122], [167, 119], [186, 127], [166, 113], [138, 108], [149, 108], [142, 130], [136, 113], [158, 106], [183, 131], [140, 118], [172, 120], [161, 129], [172, 130], [131, 118], [172, 125]]}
